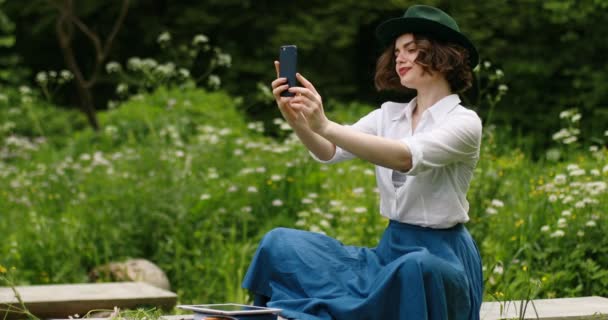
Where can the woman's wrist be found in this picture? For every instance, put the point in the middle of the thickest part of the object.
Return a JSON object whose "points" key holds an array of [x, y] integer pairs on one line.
{"points": [[326, 129]]}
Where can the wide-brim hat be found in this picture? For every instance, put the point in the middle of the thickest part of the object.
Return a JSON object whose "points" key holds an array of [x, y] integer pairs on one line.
{"points": [[430, 21]]}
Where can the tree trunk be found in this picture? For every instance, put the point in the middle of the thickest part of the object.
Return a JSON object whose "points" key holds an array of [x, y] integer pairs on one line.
{"points": [[65, 30]]}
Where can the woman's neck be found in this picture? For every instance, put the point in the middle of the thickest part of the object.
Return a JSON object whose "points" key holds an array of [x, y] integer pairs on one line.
{"points": [[427, 97]]}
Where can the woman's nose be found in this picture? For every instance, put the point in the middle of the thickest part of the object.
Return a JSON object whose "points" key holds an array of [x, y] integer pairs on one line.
{"points": [[400, 58]]}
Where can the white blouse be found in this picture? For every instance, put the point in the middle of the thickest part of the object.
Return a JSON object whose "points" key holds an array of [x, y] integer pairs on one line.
{"points": [[445, 150]]}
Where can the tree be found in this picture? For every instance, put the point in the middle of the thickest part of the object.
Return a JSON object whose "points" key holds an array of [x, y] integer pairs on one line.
{"points": [[65, 24]]}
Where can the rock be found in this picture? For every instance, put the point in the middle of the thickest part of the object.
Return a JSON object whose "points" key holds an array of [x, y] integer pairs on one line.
{"points": [[132, 270]]}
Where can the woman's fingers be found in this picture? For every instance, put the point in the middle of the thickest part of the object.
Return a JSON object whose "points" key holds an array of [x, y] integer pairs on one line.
{"points": [[306, 83], [278, 82], [277, 90], [304, 92], [277, 67]]}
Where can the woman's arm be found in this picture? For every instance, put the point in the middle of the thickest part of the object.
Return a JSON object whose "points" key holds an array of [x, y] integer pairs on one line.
{"points": [[377, 150], [319, 146], [381, 151]]}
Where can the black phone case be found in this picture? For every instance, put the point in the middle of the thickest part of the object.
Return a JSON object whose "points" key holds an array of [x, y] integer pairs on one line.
{"points": [[288, 57]]}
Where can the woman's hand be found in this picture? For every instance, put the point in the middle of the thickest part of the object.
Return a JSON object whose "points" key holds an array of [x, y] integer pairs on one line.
{"points": [[294, 118], [309, 103]]}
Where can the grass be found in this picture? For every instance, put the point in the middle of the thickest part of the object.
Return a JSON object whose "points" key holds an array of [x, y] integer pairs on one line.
{"points": [[180, 178]]}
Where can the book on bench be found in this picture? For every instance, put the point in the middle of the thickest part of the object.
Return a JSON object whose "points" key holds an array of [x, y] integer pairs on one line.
{"points": [[231, 311]]}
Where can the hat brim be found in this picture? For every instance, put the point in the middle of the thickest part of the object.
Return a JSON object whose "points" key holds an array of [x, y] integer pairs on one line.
{"points": [[389, 30]]}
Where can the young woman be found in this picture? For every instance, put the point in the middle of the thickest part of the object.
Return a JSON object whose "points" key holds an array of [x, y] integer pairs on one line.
{"points": [[426, 265]]}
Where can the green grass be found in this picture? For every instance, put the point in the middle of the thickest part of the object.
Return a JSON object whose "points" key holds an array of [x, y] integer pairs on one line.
{"points": [[180, 178]]}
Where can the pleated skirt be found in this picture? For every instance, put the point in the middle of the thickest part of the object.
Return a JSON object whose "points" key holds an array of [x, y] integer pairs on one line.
{"points": [[413, 273]]}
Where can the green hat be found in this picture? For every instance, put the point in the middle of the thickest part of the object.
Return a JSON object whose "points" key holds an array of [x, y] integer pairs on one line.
{"points": [[429, 21]]}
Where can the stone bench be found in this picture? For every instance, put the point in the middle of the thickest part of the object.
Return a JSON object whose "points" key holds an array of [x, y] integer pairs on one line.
{"points": [[549, 309], [61, 301]]}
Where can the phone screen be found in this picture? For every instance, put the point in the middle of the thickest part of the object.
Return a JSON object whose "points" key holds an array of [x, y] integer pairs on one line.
{"points": [[232, 307], [288, 58]]}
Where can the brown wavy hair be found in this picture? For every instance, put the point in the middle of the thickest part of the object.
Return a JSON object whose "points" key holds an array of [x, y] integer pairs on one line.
{"points": [[450, 59]]}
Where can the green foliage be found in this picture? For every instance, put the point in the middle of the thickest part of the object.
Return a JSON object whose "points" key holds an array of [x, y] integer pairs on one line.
{"points": [[10, 73], [550, 51], [178, 177]]}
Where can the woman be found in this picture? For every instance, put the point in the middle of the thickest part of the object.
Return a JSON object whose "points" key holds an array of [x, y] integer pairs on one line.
{"points": [[426, 265]]}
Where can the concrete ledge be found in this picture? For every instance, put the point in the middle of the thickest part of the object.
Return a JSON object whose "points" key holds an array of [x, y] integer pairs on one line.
{"points": [[63, 300], [548, 309]]}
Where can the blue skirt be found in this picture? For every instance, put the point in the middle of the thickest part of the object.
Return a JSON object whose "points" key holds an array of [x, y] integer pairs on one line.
{"points": [[413, 273]]}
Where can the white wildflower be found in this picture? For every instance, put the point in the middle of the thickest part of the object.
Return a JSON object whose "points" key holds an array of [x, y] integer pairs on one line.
{"points": [[557, 234], [277, 202], [41, 77], [497, 203], [580, 233], [544, 228], [335, 203], [205, 196], [498, 269], [303, 214], [316, 229], [252, 189], [164, 37], [561, 223], [200, 39], [570, 140], [360, 210], [491, 211], [572, 166], [358, 191], [66, 75], [184, 73], [306, 201], [565, 114], [577, 172], [214, 81], [113, 67], [560, 179], [567, 199], [591, 223], [224, 60], [552, 198], [561, 134], [566, 213]]}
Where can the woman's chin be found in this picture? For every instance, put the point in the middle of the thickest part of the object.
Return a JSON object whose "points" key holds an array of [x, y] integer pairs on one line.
{"points": [[407, 84]]}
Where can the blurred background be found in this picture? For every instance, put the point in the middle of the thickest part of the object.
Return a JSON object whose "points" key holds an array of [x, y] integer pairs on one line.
{"points": [[134, 128], [551, 51]]}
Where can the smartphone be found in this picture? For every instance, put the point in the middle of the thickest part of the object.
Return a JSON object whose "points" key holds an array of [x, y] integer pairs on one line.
{"points": [[288, 58]]}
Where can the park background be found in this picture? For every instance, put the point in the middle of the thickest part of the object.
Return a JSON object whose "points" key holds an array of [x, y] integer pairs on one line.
{"points": [[146, 129]]}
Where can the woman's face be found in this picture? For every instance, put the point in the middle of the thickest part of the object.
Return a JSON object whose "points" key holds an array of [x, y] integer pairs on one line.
{"points": [[410, 73]]}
